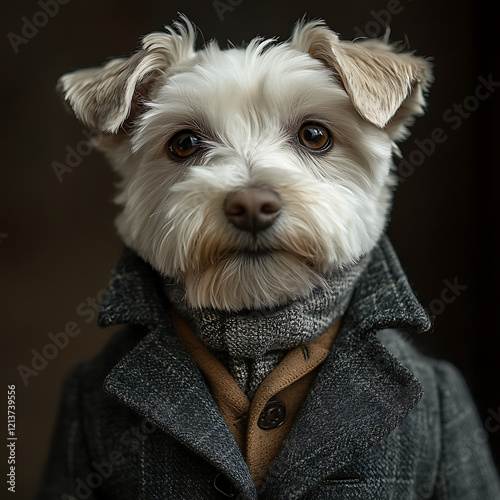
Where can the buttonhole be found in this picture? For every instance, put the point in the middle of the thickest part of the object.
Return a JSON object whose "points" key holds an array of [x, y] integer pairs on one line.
{"points": [[305, 352]]}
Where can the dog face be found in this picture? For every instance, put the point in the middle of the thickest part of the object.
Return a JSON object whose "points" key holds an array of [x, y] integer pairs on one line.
{"points": [[248, 174]]}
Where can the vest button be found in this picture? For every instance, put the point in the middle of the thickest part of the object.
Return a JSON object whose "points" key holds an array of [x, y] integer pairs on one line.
{"points": [[223, 486], [273, 415]]}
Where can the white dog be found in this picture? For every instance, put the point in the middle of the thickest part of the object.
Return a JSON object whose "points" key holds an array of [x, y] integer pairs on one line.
{"points": [[309, 125]]}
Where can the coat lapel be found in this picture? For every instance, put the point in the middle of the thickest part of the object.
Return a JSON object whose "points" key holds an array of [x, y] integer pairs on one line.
{"points": [[159, 380], [360, 395], [362, 391]]}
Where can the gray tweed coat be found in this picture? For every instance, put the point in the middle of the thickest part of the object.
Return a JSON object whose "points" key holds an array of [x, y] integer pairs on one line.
{"points": [[381, 421]]}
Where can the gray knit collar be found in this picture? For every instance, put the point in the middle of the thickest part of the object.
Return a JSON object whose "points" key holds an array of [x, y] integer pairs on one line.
{"points": [[251, 334]]}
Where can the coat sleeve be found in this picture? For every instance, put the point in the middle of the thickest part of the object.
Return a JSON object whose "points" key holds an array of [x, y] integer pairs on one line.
{"points": [[466, 469], [67, 467]]}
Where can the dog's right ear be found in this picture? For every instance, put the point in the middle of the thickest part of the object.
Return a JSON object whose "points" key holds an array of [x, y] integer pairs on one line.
{"points": [[386, 86], [111, 96]]}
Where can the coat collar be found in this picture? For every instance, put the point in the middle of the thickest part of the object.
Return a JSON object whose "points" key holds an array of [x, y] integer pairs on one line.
{"points": [[383, 297], [159, 380]]}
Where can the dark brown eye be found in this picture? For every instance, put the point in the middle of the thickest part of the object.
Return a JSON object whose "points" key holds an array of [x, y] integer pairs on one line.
{"points": [[184, 144], [314, 137]]}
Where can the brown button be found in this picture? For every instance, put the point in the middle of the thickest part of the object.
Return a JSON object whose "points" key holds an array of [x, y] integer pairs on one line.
{"points": [[273, 415]]}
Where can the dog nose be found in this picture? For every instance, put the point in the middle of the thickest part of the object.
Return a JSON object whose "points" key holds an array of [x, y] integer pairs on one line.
{"points": [[252, 209]]}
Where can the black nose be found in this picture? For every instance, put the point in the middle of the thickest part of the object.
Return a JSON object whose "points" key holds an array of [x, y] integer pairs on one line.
{"points": [[252, 209]]}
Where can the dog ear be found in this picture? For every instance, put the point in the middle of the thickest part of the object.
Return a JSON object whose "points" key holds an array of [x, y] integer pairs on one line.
{"points": [[386, 87], [109, 97]]}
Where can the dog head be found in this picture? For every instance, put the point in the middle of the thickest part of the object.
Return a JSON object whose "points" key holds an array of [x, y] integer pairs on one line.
{"points": [[247, 174]]}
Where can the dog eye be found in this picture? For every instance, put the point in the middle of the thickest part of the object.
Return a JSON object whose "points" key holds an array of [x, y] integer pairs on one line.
{"points": [[184, 144], [314, 137]]}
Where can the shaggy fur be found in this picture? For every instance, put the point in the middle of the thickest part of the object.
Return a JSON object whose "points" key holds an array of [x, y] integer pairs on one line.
{"points": [[247, 105]]}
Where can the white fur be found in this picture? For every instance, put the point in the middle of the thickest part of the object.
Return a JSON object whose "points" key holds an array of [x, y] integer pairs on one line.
{"points": [[249, 104]]}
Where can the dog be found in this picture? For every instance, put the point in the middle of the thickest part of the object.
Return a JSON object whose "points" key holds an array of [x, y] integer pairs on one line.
{"points": [[191, 129], [255, 186]]}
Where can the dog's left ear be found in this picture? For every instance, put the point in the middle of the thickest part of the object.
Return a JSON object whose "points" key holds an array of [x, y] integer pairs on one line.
{"points": [[386, 87]]}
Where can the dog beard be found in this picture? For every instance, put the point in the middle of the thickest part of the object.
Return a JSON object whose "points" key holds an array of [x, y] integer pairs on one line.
{"points": [[242, 280]]}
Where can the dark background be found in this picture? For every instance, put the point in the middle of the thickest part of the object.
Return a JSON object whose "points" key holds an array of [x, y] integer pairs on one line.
{"points": [[57, 239]]}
